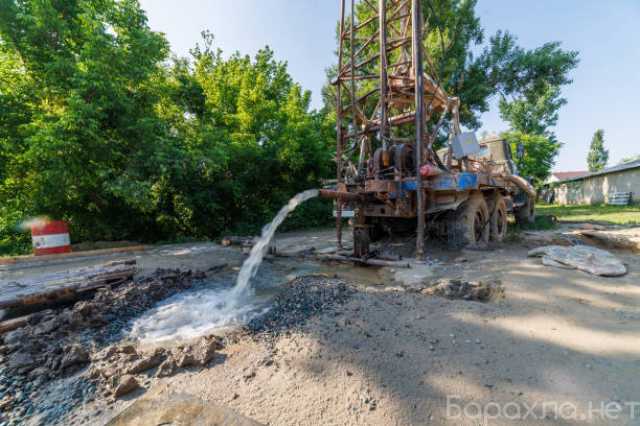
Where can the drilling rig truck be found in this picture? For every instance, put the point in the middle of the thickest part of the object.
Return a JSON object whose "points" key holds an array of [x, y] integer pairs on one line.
{"points": [[391, 115]]}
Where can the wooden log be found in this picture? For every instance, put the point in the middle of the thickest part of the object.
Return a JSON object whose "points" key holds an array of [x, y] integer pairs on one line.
{"points": [[13, 324], [237, 241], [387, 261], [393, 258], [300, 254], [368, 262], [66, 285]]}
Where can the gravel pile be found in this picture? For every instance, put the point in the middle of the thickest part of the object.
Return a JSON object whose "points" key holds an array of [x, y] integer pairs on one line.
{"points": [[299, 300], [58, 344]]}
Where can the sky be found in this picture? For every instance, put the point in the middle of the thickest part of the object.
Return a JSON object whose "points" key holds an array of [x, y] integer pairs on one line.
{"points": [[606, 85]]}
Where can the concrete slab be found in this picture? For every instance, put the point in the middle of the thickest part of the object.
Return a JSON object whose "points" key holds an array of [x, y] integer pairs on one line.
{"points": [[178, 410]]}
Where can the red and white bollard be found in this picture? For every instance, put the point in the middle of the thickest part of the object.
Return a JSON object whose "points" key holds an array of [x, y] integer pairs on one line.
{"points": [[51, 237]]}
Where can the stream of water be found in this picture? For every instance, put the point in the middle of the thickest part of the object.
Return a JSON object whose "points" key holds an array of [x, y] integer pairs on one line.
{"points": [[259, 249], [194, 314]]}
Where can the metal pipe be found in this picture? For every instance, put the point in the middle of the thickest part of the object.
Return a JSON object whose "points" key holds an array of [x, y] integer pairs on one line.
{"points": [[353, 77], [522, 184], [339, 126], [382, 13], [352, 46], [340, 195], [416, 18]]}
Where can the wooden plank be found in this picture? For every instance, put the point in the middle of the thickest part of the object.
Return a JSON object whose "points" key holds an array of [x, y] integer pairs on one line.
{"points": [[64, 285], [54, 257]]}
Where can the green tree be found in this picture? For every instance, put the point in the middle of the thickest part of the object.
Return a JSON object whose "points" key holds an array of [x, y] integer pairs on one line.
{"points": [[98, 127], [533, 112], [16, 96], [253, 125], [598, 156], [528, 84], [532, 109], [539, 153], [531, 117]]}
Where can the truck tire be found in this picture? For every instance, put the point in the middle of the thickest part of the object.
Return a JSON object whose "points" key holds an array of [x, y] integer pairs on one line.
{"points": [[469, 225], [499, 221], [526, 214]]}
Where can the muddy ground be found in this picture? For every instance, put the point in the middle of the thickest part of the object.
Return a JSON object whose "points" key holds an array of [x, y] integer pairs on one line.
{"points": [[353, 345]]}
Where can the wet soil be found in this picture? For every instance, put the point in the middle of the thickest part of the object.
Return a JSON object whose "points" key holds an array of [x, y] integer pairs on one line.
{"points": [[346, 345]]}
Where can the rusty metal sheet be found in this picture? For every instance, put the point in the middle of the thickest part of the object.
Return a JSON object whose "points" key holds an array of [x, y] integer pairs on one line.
{"points": [[378, 185]]}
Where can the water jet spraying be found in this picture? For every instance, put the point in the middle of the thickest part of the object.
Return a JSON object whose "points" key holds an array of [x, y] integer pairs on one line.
{"points": [[259, 249]]}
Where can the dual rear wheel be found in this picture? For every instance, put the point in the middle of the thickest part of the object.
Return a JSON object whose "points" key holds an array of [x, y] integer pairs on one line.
{"points": [[474, 224], [499, 219], [526, 214]]}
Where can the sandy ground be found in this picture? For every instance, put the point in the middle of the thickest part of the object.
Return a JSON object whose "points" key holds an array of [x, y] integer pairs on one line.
{"points": [[562, 347]]}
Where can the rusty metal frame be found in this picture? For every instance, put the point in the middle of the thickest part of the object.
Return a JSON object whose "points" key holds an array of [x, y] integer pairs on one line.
{"points": [[352, 109], [386, 47]]}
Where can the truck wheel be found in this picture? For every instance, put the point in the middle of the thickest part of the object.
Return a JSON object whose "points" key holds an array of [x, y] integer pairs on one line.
{"points": [[499, 221], [527, 213], [469, 225]]}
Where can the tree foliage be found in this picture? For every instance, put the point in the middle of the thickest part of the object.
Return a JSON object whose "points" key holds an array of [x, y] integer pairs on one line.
{"points": [[598, 156], [98, 127], [539, 153], [533, 111], [531, 119]]}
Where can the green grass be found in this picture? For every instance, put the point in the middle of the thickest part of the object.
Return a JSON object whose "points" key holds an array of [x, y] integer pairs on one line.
{"points": [[542, 223], [613, 215]]}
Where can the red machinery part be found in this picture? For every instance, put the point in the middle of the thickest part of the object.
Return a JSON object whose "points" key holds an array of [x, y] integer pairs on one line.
{"points": [[50, 237], [428, 170]]}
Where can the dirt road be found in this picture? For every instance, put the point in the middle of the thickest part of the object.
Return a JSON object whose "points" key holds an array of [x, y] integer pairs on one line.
{"points": [[560, 347]]}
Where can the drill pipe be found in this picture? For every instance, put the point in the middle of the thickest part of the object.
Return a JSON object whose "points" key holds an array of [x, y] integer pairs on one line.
{"points": [[340, 195]]}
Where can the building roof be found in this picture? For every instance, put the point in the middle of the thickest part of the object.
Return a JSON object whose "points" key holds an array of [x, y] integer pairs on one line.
{"points": [[608, 170], [570, 175]]}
